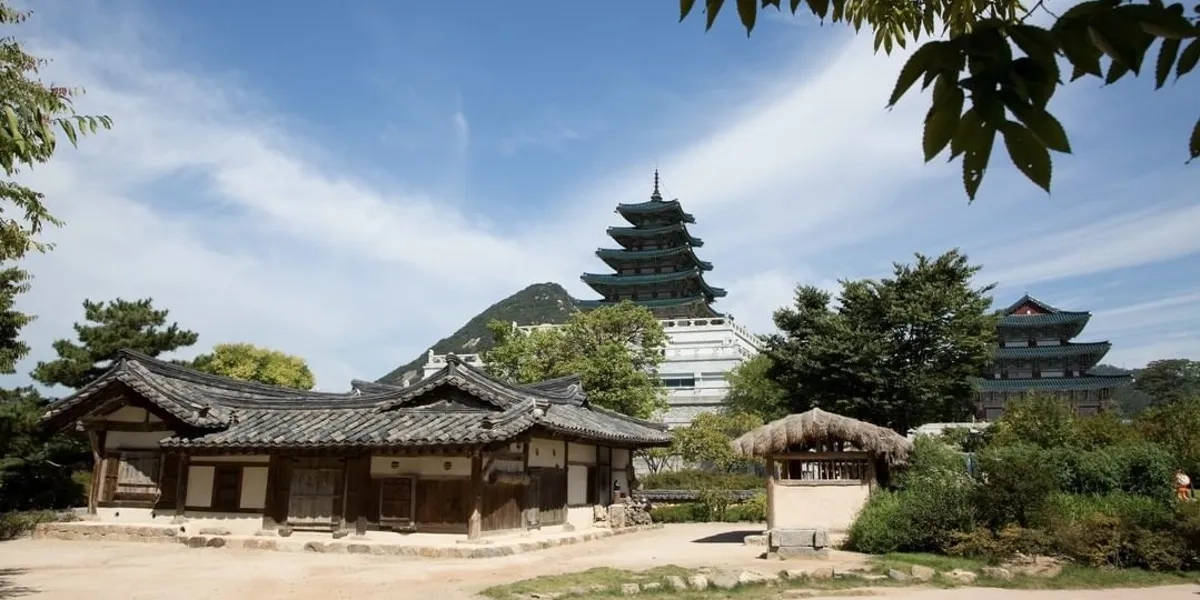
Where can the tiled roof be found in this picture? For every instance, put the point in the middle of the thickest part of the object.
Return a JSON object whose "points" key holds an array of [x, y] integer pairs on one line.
{"points": [[1052, 384], [654, 207], [615, 257], [1060, 351], [251, 415], [1045, 320], [649, 279], [617, 233], [1027, 299]]}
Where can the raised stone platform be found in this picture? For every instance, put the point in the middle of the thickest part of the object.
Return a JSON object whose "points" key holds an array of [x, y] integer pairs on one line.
{"points": [[425, 546]]}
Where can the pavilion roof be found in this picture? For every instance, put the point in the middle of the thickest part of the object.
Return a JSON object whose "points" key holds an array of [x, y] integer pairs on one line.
{"points": [[651, 279], [1052, 384], [670, 209], [1097, 349], [617, 233], [816, 428], [618, 256]]}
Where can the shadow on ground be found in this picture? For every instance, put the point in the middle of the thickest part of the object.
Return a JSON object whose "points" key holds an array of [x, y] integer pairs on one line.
{"points": [[728, 537], [8, 589]]}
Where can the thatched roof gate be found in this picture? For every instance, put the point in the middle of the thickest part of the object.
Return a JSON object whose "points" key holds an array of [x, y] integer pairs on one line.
{"points": [[820, 430]]}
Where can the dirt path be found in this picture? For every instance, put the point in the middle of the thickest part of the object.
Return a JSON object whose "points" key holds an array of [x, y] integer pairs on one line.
{"points": [[48, 569]]}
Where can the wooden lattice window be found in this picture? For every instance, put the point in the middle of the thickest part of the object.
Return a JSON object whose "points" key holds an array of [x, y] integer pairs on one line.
{"points": [[137, 473], [826, 469]]}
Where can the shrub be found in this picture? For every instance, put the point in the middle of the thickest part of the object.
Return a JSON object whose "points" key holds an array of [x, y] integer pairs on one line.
{"points": [[696, 479], [1017, 478], [753, 510], [1000, 545], [1146, 469], [882, 526], [688, 512], [17, 523], [1131, 509], [1104, 429], [715, 502], [1041, 420]]}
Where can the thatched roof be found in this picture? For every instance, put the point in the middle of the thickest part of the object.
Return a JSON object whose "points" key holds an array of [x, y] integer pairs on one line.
{"points": [[817, 428]]}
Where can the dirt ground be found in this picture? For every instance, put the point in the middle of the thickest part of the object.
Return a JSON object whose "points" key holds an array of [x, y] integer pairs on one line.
{"points": [[50, 569]]}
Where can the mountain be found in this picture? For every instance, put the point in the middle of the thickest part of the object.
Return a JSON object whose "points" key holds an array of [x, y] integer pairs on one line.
{"points": [[538, 303]]}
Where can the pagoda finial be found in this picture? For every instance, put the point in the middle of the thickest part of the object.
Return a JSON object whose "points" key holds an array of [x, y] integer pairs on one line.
{"points": [[655, 195]]}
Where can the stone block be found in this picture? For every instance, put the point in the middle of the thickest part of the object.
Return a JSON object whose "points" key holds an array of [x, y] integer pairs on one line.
{"points": [[195, 541], [616, 516], [315, 546], [358, 549], [651, 586], [630, 589], [898, 575], [821, 573], [676, 583], [215, 542], [698, 582], [922, 573], [725, 579], [783, 538], [284, 531], [800, 552], [340, 533], [998, 573], [755, 540], [960, 576], [215, 531], [821, 538], [756, 578], [795, 573]]}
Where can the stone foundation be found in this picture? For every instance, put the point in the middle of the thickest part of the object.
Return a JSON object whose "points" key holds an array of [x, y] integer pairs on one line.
{"points": [[346, 545]]}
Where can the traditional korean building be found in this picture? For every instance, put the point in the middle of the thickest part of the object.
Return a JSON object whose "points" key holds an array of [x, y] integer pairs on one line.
{"points": [[457, 452], [656, 265], [1035, 355]]}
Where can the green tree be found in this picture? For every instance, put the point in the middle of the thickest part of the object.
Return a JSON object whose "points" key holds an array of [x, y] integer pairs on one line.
{"points": [[251, 363], [1170, 380], [897, 352], [1175, 427], [1042, 420], [706, 439], [35, 464], [112, 326], [13, 281], [32, 111], [752, 391], [988, 53], [615, 350]]}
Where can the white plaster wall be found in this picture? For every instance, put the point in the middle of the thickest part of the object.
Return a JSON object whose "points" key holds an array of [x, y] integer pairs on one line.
{"points": [[199, 486], [831, 506], [620, 458], [584, 453], [135, 440], [254, 488], [546, 453], [132, 515], [576, 484], [381, 466], [581, 517]]}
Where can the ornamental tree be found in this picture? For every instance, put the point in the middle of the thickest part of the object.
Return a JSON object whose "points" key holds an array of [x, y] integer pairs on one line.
{"points": [[989, 57], [615, 350], [752, 391], [1170, 380], [896, 352], [251, 363], [111, 327]]}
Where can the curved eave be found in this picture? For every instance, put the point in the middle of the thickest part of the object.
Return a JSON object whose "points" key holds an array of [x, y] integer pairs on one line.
{"points": [[617, 258], [634, 213], [1052, 384], [642, 233], [598, 281], [1093, 349], [659, 303], [1071, 324]]}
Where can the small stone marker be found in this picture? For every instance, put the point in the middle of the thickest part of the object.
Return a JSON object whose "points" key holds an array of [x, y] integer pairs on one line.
{"points": [[755, 540], [698, 582], [898, 575], [960, 576], [676, 582]]}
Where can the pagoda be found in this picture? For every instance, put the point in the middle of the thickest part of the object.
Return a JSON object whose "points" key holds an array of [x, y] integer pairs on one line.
{"points": [[656, 265], [1035, 355]]}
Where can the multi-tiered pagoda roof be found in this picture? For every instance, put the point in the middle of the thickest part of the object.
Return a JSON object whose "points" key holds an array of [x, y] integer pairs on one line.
{"points": [[1035, 354], [656, 265]]}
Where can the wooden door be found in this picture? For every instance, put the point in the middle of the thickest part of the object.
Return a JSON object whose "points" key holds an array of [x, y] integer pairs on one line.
{"points": [[227, 488], [442, 504], [396, 500], [551, 494], [502, 506], [312, 497]]}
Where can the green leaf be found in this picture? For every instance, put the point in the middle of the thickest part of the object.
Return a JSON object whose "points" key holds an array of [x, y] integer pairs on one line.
{"points": [[818, 7], [69, 129], [917, 64], [1083, 55], [942, 119], [1116, 70], [1107, 43], [14, 126], [712, 7], [1028, 153], [1187, 60], [795, 5], [685, 7], [1166, 58], [974, 140], [748, 12], [1194, 146], [1037, 43], [1044, 126]]}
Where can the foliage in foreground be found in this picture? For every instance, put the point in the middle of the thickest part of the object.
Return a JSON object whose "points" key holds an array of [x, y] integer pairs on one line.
{"points": [[251, 363], [1095, 491], [36, 465], [615, 350], [975, 58], [18, 523]]}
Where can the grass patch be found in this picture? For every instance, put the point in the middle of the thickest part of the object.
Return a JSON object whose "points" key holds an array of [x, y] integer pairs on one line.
{"points": [[18, 523], [585, 584], [1072, 577]]}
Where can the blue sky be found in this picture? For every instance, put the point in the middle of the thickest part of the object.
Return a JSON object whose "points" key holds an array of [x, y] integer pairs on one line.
{"points": [[351, 184]]}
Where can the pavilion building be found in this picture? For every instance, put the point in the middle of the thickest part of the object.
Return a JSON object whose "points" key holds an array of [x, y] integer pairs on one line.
{"points": [[1035, 355]]}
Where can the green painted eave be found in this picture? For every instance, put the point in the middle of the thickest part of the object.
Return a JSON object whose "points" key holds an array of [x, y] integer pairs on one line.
{"points": [[1051, 384], [1044, 321], [650, 279], [667, 209], [1096, 349], [617, 233], [617, 257]]}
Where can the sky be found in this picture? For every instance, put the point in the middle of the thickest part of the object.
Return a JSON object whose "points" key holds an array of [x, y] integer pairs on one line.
{"points": [[350, 184]]}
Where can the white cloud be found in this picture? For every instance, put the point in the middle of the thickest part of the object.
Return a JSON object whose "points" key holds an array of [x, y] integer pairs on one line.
{"points": [[462, 130]]}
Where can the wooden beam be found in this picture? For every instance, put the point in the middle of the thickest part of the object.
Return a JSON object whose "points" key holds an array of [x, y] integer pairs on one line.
{"points": [[475, 522], [96, 441], [181, 484]]}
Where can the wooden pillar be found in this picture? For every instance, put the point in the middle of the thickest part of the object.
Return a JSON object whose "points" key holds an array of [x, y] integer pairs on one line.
{"points": [[475, 521], [95, 440], [181, 484], [770, 493]]}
